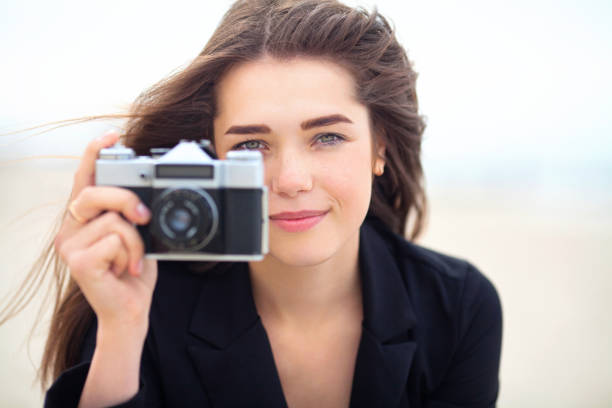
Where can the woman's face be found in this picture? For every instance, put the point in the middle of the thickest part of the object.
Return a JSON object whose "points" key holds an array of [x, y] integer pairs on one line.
{"points": [[315, 138]]}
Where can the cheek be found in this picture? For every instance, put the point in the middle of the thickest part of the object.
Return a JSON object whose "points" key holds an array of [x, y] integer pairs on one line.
{"points": [[349, 179]]}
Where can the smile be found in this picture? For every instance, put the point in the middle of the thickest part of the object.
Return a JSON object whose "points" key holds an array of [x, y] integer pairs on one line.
{"points": [[297, 221]]}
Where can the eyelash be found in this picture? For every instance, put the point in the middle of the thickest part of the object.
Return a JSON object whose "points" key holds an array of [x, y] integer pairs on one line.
{"points": [[336, 140]]}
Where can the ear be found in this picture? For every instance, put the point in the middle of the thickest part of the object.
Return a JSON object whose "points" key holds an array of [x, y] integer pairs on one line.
{"points": [[379, 159]]}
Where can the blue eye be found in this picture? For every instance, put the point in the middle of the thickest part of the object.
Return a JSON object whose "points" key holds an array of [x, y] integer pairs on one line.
{"points": [[329, 138], [249, 145]]}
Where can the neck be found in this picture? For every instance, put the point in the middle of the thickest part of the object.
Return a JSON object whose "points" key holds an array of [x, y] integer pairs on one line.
{"points": [[308, 295]]}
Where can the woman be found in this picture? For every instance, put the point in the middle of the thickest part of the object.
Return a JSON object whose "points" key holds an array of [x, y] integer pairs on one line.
{"points": [[342, 311]]}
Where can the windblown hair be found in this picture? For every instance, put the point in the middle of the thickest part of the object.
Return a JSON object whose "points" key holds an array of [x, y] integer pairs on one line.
{"points": [[183, 106]]}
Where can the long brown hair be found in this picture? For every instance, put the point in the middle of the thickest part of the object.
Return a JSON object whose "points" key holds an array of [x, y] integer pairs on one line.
{"points": [[183, 107]]}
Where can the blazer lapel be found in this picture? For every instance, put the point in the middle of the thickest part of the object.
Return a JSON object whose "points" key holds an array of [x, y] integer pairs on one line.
{"points": [[387, 346], [231, 351], [232, 355]]}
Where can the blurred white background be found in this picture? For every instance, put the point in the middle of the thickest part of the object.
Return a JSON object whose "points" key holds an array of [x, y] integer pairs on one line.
{"points": [[517, 153]]}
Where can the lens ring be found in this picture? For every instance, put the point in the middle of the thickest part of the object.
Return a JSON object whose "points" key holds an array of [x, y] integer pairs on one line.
{"points": [[192, 201]]}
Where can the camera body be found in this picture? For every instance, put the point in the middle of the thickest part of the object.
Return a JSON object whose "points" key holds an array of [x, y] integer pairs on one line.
{"points": [[202, 209]]}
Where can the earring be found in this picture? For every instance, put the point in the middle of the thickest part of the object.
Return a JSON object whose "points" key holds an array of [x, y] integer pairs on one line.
{"points": [[379, 169]]}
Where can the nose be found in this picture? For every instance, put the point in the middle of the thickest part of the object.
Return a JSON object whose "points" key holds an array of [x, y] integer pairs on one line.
{"points": [[290, 174]]}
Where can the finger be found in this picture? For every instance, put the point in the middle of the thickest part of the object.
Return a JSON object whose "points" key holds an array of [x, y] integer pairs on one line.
{"points": [[149, 272], [93, 262], [85, 173], [92, 201], [121, 262], [94, 231]]}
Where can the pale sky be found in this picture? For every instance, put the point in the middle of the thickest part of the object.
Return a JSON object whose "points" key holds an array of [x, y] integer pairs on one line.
{"points": [[507, 87]]}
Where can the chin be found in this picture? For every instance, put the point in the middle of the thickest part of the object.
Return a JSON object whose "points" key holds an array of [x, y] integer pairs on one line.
{"points": [[299, 256], [310, 248]]}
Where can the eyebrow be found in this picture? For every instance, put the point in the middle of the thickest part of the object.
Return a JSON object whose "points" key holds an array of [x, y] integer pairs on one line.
{"points": [[324, 121], [248, 129], [307, 124]]}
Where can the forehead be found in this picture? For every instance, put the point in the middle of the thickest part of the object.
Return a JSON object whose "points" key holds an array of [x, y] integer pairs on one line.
{"points": [[311, 86]]}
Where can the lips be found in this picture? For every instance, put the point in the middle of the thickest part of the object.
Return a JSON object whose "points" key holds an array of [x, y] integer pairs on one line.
{"points": [[298, 221], [296, 215]]}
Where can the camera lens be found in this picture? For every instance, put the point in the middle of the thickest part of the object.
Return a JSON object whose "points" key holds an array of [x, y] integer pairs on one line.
{"points": [[184, 219], [179, 219]]}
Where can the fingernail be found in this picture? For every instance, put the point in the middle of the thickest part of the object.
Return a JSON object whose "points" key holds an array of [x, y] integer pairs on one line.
{"points": [[108, 135], [139, 268], [143, 211]]}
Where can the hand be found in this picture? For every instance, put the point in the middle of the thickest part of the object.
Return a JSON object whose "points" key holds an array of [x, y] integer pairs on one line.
{"points": [[103, 249]]}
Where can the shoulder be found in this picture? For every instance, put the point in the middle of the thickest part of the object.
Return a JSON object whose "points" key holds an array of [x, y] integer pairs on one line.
{"points": [[454, 279], [458, 318], [467, 296], [452, 298]]}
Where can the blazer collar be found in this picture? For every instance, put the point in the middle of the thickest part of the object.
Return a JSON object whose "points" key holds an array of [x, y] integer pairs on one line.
{"points": [[387, 346], [233, 355], [386, 307], [225, 309]]}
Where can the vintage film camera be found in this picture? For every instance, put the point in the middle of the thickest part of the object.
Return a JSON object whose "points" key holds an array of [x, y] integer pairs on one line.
{"points": [[203, 209]]}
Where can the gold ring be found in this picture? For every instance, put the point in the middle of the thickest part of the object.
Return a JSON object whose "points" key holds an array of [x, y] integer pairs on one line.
{"points": [[74, 214]]}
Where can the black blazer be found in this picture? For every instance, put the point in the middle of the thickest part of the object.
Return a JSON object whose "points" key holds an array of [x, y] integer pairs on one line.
{"points": [[431, 336]]}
